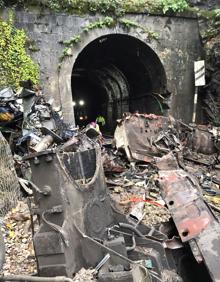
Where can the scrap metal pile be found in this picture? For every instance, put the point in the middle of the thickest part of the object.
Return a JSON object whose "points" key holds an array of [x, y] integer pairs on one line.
{"points": [[136, 211]]}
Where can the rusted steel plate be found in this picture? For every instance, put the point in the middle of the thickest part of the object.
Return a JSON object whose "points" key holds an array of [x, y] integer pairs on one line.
{"points": [[194, 220], [182, 195]]}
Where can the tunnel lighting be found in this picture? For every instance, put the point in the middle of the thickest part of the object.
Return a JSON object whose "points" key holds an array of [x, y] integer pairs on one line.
{"points": [[81, 102], [74, 103]]}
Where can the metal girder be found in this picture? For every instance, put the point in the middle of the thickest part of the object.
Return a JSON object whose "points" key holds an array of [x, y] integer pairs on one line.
{"points": [[193, 218]]}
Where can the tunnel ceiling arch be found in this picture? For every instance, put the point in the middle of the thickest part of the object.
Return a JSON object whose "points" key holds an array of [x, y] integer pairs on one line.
{"points": [[117, 73]]}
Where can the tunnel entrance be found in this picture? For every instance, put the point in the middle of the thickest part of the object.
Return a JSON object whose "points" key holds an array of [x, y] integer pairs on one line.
{"points": [[115, 74]]}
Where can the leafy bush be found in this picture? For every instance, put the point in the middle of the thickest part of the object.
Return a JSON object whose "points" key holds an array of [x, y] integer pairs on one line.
{"points": [[113, 7], [15, 64], [174, 5], [217, 13]]}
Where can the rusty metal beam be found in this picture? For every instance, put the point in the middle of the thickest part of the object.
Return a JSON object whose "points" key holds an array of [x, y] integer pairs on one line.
{"points": [[194, 220]]}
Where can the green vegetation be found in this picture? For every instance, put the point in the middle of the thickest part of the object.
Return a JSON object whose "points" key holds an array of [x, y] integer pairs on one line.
{"points": [[118, 7], [217, 12], [210, 32], [110, 7], [15, 64], [102, 23], [175, 6], [129, 24]]}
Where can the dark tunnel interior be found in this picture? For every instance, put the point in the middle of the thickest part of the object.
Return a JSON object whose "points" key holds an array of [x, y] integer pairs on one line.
{"points": [[116, 74]]}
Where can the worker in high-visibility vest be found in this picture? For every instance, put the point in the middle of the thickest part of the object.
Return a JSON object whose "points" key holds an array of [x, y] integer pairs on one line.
{"points": [[100, 120]]}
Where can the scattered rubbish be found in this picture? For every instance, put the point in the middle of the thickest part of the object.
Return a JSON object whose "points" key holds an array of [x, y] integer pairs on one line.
{"points": [[10, 110]]}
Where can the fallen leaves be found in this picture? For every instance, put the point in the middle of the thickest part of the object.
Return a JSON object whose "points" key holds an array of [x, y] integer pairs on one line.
{"points": [[20, 258], [85, 275]]}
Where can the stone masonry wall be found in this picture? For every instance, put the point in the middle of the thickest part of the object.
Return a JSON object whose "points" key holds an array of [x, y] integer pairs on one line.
{"points": [[177, 47]]}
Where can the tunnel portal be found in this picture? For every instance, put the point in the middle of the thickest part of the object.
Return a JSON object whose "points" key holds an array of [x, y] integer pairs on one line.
{"points": [[115, 74]]}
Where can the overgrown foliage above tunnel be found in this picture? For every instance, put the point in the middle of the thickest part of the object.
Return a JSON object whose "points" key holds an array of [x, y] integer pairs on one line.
{"points": [[116, 7], [15, 63]]}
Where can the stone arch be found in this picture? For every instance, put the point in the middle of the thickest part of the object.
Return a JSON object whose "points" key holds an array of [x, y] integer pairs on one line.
{"points": [[155, 68]]}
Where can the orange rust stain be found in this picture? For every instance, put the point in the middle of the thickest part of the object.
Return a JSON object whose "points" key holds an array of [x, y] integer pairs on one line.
{"points": [[194, 226]]}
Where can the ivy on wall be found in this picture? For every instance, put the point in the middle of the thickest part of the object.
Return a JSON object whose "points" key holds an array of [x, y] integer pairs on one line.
{"points": [[15, 63], [102, 23], [110, 7]]}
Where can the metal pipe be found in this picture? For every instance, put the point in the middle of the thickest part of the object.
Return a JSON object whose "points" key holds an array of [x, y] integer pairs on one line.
{"points": [[132, 228], [151, 232], [102, 262], [34, 278], [195, 105], [137, 232], [131, 248]]}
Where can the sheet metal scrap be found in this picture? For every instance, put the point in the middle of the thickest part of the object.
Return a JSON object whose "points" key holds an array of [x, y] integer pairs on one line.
{"points": [[194, 220], [145, 136], [42, 126]]}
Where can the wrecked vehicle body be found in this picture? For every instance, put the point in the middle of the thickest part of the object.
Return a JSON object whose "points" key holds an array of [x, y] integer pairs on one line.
{"points": [[79, 224], [81, 227], [72, 201], [195, 223], [145, 136]]}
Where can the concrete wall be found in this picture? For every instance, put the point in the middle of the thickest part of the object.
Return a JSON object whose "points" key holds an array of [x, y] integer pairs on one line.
{"points": [[177, 47]]}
